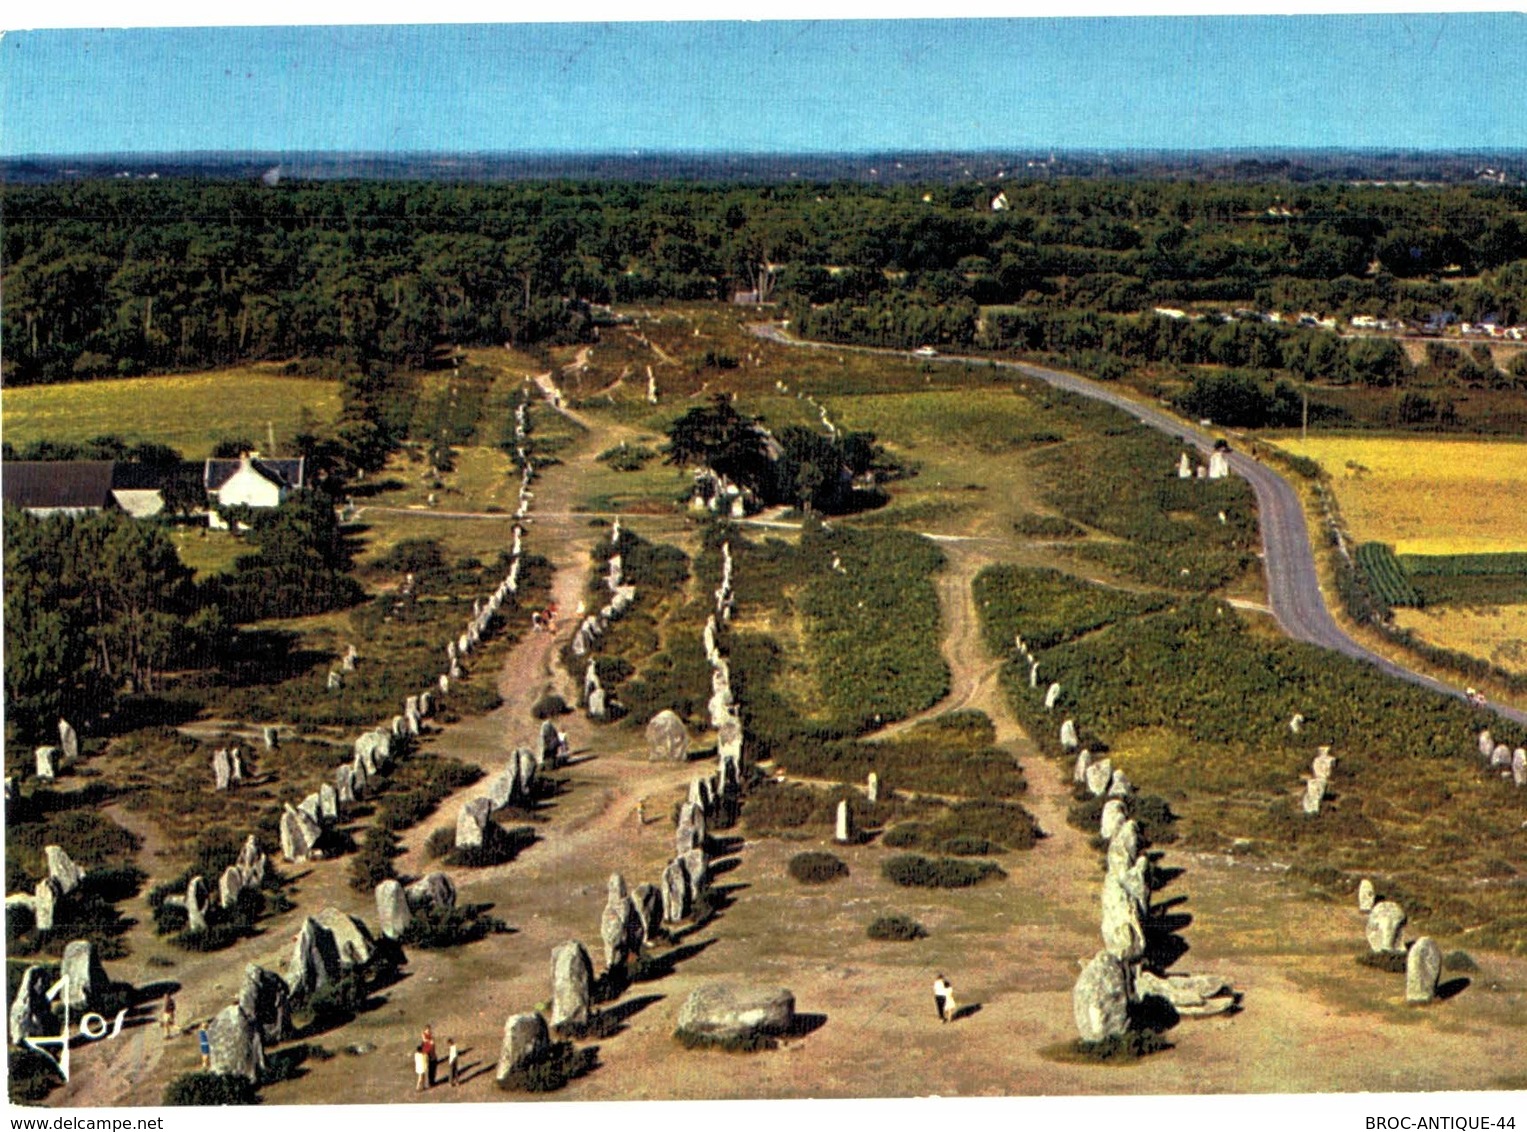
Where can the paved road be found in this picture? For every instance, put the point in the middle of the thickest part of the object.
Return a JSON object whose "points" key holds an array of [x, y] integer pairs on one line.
{"points": [[1292, 583]]}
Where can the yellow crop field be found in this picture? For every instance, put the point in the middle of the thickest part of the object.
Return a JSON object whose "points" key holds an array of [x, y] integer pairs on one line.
{"points": [[1496, 633], [1427, 496], [189, 412]]}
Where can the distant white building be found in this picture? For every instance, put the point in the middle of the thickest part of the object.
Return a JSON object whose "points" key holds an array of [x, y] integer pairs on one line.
{"points": [[249, 481]]}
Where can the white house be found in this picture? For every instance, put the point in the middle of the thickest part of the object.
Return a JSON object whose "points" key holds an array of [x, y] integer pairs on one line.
{"points": [[249, 481]]}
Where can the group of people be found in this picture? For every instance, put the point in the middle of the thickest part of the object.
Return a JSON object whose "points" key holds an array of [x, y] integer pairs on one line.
{"points": [[425, 1061], [1476, 698], [544, 620]]}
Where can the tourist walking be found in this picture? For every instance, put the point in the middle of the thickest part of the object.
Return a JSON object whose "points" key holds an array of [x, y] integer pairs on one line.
{"points": [[452, 1059], [167, 1015], [943, 994], [204, 1044], [427, 1044], [421, 1068]]}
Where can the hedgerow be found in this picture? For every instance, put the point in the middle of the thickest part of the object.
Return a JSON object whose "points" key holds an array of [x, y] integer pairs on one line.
{"points": [[915, 871]]}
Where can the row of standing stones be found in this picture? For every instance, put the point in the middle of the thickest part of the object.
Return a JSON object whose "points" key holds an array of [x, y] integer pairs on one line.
{"points": [[633, 919], [325, 947], [1110, 993]]}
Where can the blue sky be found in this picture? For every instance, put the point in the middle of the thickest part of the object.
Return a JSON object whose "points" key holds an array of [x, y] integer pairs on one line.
{"points": [[1397, 79]]}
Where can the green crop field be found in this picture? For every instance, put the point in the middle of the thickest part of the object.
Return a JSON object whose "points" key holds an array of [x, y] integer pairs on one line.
{"points": [[189, 412]]}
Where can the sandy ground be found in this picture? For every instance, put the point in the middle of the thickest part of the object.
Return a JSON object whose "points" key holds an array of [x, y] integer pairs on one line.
{"points": [[1312, 1020]]}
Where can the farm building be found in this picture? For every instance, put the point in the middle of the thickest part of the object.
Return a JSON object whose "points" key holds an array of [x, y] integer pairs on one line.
{"points": [[77, 487], [249, 481]]}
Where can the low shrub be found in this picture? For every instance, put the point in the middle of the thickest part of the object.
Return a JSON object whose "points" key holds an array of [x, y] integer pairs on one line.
{"points": [[433, 927], [549, 706], [499, 847], [915, 871], [205, 1089], [1459, 961], [32, 1076], [896, 927], [372, 864], [1391, 961], [337, 1001], [815, 867], [440, 842], [1132, 1045], [558, 1064]]}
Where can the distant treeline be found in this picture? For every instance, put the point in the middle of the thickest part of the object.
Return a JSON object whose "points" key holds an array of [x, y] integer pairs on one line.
{"points": [[120, 277]]}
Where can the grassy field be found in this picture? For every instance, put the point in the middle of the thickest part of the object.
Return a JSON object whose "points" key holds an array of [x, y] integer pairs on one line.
{"points": [[1427, 496], [190, 412], [1496, 633]]}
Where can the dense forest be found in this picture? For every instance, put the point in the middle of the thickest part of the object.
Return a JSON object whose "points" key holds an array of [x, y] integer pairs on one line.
{"points": [[107, 278]]}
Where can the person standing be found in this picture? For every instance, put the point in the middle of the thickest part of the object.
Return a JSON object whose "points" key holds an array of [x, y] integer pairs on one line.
{"points": [[942, 992], [427, 1044], [421, 1068], [204, 1044], [167, 1015], [452, 1059]]}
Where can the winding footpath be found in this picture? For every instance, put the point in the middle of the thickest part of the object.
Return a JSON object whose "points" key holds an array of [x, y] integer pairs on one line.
{"points": [[1293, 584]]}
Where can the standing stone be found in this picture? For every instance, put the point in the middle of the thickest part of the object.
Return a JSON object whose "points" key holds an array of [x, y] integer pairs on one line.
{"points": [[433, 890], [525, 1040], [314, 962], [392, 912], [271, 737], [1098, 776], [572, 980], [596, 704], [1519, 766], [550, 745], [344, 785], [196, 905], [1123, 936], [1135, 884], [311, 809], [843, 831], [1114, 816], [619, 928], [31, 1012], [1052, 696], [1365, 895], [328, 804], [649, 908], [68, 742], [86, 977], [1501, 756], [336, 682], [45, 900], [1423, 966], [1068, 740], [691, 830], [676, 893], [235, 768], [1486, 744], [1324, 763], [62, 869], [299, 833], [445, 679], [265, 1000], [1314, 794], [237, 1048], [229, 885], [667, 740], [1124, 847], [1184, 467], [697, 867], [472, 823], [525, 759], [872, 789], [615, 889], [1119, 786], [1100, 999], [504, 788], [252, 863], [1083, 761], [45, 762], [1296, 723], [1385, 923]]}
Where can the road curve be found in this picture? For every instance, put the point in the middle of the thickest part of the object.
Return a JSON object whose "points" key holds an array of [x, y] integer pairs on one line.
{"points": [[1293, 585]]}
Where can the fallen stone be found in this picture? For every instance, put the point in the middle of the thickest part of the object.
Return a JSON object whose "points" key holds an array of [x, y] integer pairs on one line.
{"points": [[724, 1012]]}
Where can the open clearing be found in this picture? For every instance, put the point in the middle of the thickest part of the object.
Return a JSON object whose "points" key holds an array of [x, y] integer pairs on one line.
{"points": [[1496, 633], [1426, 496], [190, 412]]}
